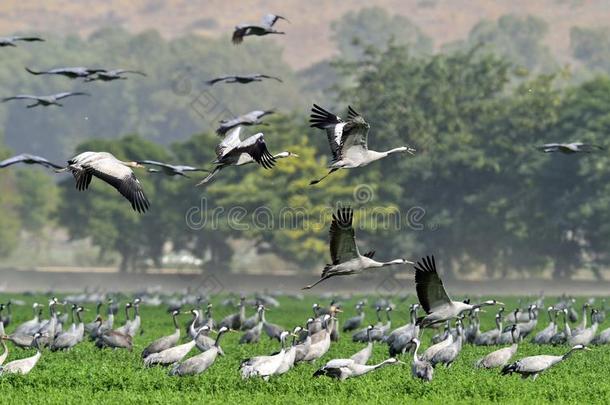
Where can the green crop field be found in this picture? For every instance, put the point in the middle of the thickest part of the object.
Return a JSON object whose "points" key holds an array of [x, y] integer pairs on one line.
{"points": [[87, 374]]}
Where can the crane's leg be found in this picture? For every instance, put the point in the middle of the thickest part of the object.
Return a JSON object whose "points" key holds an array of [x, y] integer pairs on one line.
{"points": [[311, 183], [308, 287], [33, 105], [209, 176]]}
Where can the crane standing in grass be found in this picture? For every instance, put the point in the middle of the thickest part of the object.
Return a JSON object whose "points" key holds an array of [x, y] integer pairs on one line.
{"points": [[534, 365]]}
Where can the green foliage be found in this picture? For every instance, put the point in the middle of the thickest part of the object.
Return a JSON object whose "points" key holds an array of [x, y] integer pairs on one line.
{"points": [[591, 46], [10, 223], [374, 27], [519, 39], [39, 198]]}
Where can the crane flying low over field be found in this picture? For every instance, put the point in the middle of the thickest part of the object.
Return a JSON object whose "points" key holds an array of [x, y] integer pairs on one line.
{"points": [[264, 28], [346, 259], [242, 79], [434, 299], [45, 101], [348, 140]]}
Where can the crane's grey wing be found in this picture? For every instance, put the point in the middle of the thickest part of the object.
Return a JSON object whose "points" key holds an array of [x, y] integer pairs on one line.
{"points": [[69, 94], [154, 163], [240, 32], [256, 147], [332, 124], [20, 97], [137, 72], [342, 236], [354, 137], [218, 79], [270, 19], [12, 160], [28, 39], [123, 179], [230, 141], [185, 168], [226, 125], [271, 77], [31, 159], [429, 287]]}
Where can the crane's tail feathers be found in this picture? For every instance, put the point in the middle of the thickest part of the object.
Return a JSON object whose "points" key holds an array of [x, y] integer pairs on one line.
{"points": [[509, 369], [319, 372]]}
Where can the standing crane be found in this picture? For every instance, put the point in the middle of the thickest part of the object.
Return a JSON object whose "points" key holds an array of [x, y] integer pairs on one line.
{"points": [[421, 368], [201, 362], [534, 365], [164, 342]]}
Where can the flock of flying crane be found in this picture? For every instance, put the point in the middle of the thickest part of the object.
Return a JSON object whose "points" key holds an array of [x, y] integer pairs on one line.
{"points": [[348, 141]]}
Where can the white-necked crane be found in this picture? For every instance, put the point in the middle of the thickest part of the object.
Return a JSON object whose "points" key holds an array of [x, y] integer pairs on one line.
{"points": [[164, 342], [24, 366], [10, 41], [534, 365], [248, 119], [264, 28], [45, 101], [111, 170], [420, 368], [346, 259], [499, 358], [232, 151], [242, 79], [348, 140], [434, 299], [29, 160], [569, 148]]}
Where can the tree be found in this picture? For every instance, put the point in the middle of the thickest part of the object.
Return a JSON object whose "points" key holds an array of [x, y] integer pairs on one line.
{"points": [[9, 204], [591, 46], [518, 39], [373, 27]]}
